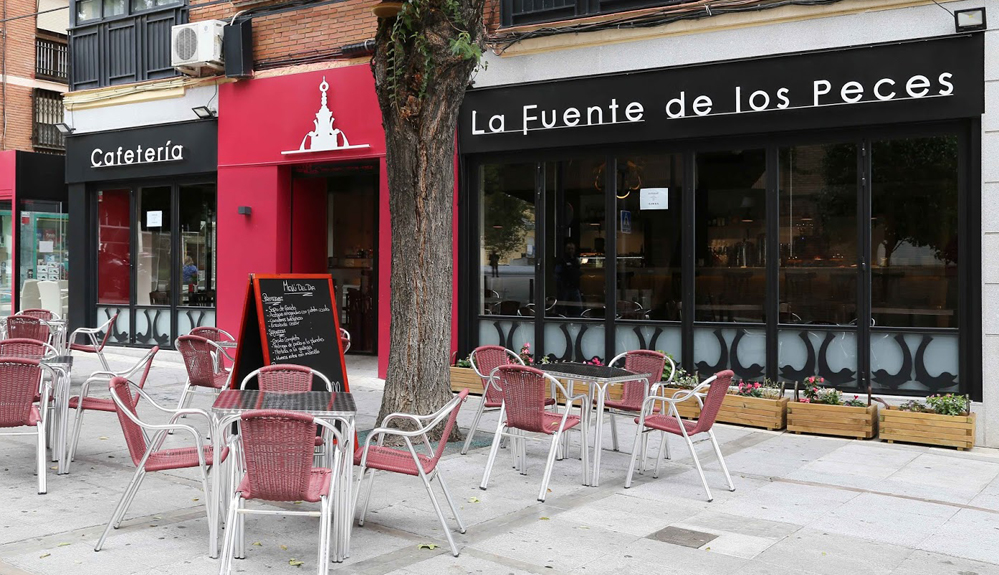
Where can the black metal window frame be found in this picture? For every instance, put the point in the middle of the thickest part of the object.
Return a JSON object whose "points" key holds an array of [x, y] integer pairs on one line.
{"points": [[47, 111], [123, 49], [969, 274], [521, 12], [89, 193]]}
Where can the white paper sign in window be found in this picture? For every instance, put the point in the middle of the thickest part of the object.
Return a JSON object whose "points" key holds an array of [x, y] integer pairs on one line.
{"points": [[154, 219], [654, 199]]}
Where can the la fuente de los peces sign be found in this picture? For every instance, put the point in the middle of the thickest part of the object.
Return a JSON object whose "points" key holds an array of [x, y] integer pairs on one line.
{"points": [[918, 81]]}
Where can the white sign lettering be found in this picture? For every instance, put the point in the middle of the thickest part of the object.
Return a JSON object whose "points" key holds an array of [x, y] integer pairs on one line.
{"points": [[134, 156]]}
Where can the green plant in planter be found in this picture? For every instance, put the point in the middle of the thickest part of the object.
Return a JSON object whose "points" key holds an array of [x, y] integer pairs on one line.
{"points": [[767, 389], [949, 404], [467, 362], [814, 393]]}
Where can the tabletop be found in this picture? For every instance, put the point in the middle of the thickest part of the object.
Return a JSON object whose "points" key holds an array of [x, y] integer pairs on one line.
{"points": [[601, 373], [317, 403], [58, 360]]}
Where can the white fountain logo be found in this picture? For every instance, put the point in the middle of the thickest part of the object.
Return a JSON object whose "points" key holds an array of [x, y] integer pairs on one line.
{"points": [[325, 138]]}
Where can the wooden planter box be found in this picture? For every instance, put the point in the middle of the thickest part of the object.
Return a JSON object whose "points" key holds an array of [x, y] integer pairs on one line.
{"points": [[462, 377], [859, 422], [754, 411], [928, 428]]}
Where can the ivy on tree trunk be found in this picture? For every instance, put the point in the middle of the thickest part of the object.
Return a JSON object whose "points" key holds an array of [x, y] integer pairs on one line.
{"points": [[423, 61]]}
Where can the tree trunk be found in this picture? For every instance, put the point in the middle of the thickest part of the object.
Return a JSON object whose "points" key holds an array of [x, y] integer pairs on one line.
{"points": [[420, 88]]}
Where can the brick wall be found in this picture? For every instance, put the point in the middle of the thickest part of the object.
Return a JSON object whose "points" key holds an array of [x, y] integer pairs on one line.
{"points": [[20, 64], [319, 29]]}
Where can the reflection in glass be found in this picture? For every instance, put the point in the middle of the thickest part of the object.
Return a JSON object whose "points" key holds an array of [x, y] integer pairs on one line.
{"points": [[507, 238], [576, 238], [197, 236], [154, 254], [649, 248], [114, 258], [87, 10], [574, 340], [43, 256], [818, 234], [914, 222], [730, 226], [6, 245], [662, 337], [508, 332], [114, 8]]}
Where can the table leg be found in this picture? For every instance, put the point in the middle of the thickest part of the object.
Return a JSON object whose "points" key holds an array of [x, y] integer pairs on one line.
{"points": [[62, 412], [598, 431], [214, 497]]}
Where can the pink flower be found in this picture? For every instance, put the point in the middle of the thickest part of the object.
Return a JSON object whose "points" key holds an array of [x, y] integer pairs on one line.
{"points": [[756, 385], [527, 346], [806, 400], [815, 390]]}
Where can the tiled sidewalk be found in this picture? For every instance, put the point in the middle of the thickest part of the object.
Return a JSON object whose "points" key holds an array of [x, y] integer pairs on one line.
{"points": [[803, 505]]}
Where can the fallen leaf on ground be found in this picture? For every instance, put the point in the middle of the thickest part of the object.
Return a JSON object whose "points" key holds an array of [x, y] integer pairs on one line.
{"points": [[295, 563], [284, 548], [544, 519], [257, 543], [64, 544], [430, 546], [44, 555], [583, 527], [54, 468], [473, 499], [102, 438], [157, 517], [195, 499]]}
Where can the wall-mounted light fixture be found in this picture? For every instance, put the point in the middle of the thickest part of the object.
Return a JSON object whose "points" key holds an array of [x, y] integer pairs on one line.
{"points": [[245, 210], [64, 129], [970, 20], [203, 112]]}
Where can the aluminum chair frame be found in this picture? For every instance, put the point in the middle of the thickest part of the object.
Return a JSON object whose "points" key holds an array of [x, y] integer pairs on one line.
{"points": [[611, 412], [216, 336], [256, 373], [423, 423], [96, 343], [37, 312], [517, 440], [153, 446], [699, 394], [39, 432], [234, 541], [486, 383], [345, 339], [142, 366], [50, 352], [217, 353]]}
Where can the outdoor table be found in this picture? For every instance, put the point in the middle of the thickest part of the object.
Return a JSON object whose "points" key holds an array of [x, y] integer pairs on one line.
{"points": [[599, 377], [61, 366], [334, 407], [58, 329]]}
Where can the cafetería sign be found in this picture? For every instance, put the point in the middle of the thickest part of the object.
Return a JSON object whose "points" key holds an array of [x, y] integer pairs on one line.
{"points": [[148, 155], [919, 81]]}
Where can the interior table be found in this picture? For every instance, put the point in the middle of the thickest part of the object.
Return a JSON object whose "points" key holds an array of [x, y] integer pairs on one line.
{"points": [[598, 377], [334, 407]]}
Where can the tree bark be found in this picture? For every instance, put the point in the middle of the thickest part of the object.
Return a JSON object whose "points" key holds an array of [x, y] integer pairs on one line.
{"points": [[419, 94]]}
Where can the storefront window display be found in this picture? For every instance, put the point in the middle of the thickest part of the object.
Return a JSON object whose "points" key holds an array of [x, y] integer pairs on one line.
{"points": [[6, 260], [44, 256]]}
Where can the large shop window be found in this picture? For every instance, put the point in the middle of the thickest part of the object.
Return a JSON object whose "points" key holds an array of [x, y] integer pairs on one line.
{"points": [[43, 256], [756, 261], [6, 258]]}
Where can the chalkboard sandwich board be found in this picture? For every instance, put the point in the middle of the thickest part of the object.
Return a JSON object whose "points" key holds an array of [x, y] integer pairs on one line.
{"points": [[291, 318]]}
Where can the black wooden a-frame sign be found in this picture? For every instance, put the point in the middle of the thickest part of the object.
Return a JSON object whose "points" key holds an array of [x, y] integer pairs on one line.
{"points": [[290, 318]]}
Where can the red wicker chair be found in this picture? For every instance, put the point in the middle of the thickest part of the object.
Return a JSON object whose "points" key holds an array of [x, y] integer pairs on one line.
{"points": [[32, 349], [146, 453], [204, 368], [42, 314], [524, 410], [484, 360], [27, 327], [671, 423], [286, 378], [277, 452], [97, 338], [219, 336], [345, 339], [141, 368], [635, 392], [408, 461], [21, 379]]}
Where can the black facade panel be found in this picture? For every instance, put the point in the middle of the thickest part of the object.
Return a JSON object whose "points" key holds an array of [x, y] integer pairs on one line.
{"points": [[41, 177], [81, 285], [238, 47]]}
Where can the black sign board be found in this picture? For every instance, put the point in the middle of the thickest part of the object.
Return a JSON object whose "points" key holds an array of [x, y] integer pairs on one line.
{"points": [[148, 151], [925, 80], [291, 318]]}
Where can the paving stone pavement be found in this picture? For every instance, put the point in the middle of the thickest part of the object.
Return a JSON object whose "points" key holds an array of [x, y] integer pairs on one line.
{"points": [[803, 505]]}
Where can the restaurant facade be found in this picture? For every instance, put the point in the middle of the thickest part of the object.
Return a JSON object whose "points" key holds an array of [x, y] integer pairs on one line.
{"points": [[807, 211]]}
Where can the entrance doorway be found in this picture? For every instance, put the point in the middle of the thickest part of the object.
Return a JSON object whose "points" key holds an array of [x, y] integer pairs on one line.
{"points": [[350, 196]]}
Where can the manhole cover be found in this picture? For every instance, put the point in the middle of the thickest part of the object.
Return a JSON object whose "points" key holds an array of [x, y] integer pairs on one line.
{"points": [[680, 536]]}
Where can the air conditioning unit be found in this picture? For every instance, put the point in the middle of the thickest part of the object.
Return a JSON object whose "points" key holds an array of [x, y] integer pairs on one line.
{"points": [[196, 48]]}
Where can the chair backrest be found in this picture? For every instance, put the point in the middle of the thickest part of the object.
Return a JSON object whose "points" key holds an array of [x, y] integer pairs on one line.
{"points": [[50, 295], [27, 327], [29, 294], [485, 359], [286, 378], [713, 400], [20, 379], [452, 408], [345, 339], [106, 327], [199, 359], [278, 449], [26, 348], [135, 439], [523, 396], [639, 361], [213, 333], [39, 313]]}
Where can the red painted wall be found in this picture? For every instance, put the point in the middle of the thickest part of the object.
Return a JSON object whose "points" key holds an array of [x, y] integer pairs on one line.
{"points": [[260, 119]]}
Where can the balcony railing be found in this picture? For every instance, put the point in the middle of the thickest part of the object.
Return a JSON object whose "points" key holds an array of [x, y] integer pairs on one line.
{"points": [[51, 60], [518, 12], [48, 113]]}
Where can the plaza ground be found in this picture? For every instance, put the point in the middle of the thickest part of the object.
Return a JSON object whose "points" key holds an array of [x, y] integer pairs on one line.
{"points": [[802, 505]]}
